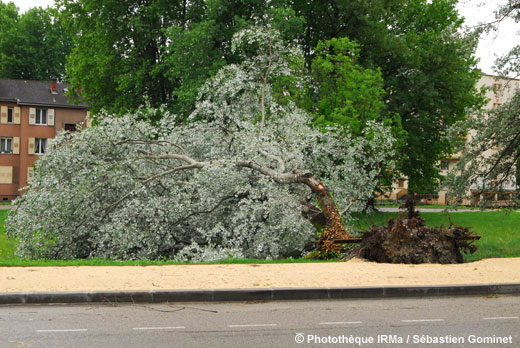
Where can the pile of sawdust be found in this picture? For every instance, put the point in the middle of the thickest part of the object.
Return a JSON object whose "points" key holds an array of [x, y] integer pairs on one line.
{"points": [[290, 275]]}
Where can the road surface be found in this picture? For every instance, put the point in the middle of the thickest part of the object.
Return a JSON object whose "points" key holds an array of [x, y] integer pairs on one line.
{"points": [[458, 322]]}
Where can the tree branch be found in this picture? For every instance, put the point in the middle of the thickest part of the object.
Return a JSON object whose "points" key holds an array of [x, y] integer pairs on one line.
{"points": [[146, 181], [183, 158], [282, 178], [281, 163], [225, 198]]}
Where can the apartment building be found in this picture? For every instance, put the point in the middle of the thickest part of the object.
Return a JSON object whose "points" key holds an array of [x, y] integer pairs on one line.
{"points": [[31, 114], [498, 91]]}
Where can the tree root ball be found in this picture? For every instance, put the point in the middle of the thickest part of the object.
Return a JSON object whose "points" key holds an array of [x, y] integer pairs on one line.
{"points": [[407, 240]]}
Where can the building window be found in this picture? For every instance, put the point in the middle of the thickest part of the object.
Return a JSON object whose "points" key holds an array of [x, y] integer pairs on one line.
{"points": [[10, 115], [400, 183], [6, 145], [70, 127], [39, 146], [445, 165], [41, 116]]}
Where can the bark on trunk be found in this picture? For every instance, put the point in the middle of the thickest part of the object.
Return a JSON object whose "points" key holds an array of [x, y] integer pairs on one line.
{"points": [[334, 225]]}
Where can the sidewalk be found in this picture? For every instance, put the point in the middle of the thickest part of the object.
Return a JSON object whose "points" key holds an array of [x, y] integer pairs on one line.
{"points": [[350, 279]]}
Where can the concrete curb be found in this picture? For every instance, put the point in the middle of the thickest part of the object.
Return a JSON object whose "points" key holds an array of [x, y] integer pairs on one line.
{"points": [[280, 294]]}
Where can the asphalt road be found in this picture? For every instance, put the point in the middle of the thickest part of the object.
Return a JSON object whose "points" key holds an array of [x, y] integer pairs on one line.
{"points": [[459, 322]]}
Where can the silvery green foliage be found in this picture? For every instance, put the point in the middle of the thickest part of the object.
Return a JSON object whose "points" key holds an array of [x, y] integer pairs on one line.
{"points": [[125, 189], [489, 161]]}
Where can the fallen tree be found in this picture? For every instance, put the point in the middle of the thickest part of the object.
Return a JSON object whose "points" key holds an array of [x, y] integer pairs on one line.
{"points": [[238, 180]]}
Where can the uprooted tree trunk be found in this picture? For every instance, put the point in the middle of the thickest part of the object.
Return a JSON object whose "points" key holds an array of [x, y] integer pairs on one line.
{"points": [[334, 228], [408, 240]]}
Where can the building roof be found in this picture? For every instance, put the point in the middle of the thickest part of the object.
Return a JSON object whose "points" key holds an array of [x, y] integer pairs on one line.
{"points": [[37, 93]]}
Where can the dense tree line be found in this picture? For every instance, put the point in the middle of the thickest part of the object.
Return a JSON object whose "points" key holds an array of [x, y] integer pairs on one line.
{"points": [[162, 51], [409, 53]]}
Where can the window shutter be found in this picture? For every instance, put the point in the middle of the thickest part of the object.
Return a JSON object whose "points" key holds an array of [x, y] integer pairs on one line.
{"points": [[3, 117], [32, 115], [89, 120], [50, 117], [31, 146], [6, 175], [16, 145], [30, 174], [17, 114]]}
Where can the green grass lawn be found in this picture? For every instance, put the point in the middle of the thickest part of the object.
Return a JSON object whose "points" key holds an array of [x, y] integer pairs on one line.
{"points": [[7, 247], [499, 231], [427, 206]]}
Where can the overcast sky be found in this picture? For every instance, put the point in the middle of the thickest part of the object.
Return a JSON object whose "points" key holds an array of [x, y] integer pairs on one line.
{"points": [[475, 11]]}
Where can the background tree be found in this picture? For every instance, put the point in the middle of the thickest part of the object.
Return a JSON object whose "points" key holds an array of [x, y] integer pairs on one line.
{"points": [[344, 93], [134, 51], [490, 159], [428, 68], [348, 94], [34, 45], [8, 16], [156, 51], [233, 181], [509, 64], [118, 58]]}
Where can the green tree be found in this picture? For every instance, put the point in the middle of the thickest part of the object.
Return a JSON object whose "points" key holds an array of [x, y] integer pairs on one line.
{"points": [[191, 58], [351, 96], [159, 52], [427, 66], [117, 62], [33, 45], [8, 17], [348, 94]]}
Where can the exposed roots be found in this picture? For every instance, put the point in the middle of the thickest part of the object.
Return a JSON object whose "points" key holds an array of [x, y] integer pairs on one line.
{"points": [[408, 240]]}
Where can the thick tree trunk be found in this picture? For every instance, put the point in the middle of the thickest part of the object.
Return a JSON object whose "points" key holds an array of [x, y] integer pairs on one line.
{"points": [[334, 228]]}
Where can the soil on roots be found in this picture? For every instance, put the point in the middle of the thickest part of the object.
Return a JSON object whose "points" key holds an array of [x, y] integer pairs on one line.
{"points": [[408, 240]]}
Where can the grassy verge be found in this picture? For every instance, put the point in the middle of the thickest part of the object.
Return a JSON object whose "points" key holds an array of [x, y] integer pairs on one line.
{"points": [[499, 231], [102, 262], [7, 247], [427, 206]]}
